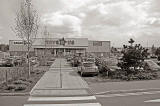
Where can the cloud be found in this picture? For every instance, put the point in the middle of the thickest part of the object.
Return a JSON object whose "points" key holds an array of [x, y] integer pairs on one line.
{"points": [[115, 20], [62, 23], [115, 14]]}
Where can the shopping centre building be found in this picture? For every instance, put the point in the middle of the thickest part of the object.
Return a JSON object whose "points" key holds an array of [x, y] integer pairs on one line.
{"points": [[61, 47]]}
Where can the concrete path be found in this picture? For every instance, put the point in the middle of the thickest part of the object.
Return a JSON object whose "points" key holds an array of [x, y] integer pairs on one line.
{"points": [[61, 86]]}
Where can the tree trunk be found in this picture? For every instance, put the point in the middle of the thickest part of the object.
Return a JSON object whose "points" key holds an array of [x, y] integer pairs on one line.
{"points": [[29, 66]]}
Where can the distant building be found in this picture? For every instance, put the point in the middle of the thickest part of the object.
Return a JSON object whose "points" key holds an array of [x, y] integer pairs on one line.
{"points": [[3, 55], [61, 47], [18, 48], [99, 48]]}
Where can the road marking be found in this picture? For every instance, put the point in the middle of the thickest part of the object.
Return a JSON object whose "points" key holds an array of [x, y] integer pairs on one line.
{"points": [[131, 90], [82, 104], [153, 101], [129, 94], [61, 98]]}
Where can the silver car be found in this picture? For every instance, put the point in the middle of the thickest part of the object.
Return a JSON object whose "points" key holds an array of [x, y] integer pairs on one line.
{"points": [[88, 68]]}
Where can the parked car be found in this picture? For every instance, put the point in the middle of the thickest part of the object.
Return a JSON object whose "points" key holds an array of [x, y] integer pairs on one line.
{"points": [[88, 68], [76, 61], [9, 62], [33, 60], [90, 59], [69, 58]]}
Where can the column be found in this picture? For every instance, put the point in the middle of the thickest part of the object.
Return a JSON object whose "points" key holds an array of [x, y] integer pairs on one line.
{"points": [[55, 52], [64, 54]]}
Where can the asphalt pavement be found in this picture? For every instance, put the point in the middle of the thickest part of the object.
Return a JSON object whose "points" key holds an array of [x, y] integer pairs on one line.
{"points": [[130, 100]]}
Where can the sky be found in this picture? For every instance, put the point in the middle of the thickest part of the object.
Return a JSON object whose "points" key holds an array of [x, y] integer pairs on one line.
{"points": [[112, 20]]}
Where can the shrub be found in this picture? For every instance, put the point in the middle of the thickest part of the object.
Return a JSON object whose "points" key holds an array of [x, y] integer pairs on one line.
{"points": [[29, 80], [10, 87], [32, 72], [20, 88], [18, 82], [23, 79]]}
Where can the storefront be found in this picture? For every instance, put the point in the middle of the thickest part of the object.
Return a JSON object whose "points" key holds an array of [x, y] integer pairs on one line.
{"points": [[58, 47]]}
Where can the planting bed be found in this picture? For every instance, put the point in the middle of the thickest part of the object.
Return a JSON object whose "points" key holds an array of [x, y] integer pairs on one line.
{"points": [[23, 84]]}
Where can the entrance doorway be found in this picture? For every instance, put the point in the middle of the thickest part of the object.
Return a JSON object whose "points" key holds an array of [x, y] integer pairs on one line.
{"points": [[60, 52]]}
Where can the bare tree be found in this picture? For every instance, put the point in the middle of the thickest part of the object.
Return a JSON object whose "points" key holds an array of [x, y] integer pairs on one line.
{"points": [[26, 26]]}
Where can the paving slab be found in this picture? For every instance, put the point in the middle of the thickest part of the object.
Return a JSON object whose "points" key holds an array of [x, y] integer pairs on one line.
{"points": [[59, 92], [72, 80], [77, 104], [49, 80], [60, 86]]}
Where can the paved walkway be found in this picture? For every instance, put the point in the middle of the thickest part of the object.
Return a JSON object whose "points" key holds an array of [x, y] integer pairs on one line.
{"points": [[61, 86]]}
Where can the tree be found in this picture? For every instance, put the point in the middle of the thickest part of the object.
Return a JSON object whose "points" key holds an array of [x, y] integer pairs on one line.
{"points": [[26, 26], [133, 57], [4, 47], [131, 41]]}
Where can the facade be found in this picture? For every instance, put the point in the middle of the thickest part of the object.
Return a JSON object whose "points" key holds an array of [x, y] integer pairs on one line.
{"points": [[61, 47], [18, 48], [99, 48]]}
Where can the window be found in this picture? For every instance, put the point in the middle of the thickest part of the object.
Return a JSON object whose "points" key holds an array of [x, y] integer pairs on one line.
{"points": [[97, 43]]}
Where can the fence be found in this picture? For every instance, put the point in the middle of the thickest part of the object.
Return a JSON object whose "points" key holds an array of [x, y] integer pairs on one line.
{"points": [[11, 73]]}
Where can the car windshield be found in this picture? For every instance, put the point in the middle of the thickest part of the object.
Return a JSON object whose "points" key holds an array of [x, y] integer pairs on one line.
{"points": [[88, 64]]}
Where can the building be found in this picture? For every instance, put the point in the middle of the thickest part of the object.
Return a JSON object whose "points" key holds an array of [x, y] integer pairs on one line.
{"points": [[18, 48], [99, 48], [3, 55], [61, 47]]}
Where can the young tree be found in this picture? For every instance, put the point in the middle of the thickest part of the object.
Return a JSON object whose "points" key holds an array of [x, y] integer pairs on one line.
{"points": [[131, 41], [26, 26], [133, 57]]}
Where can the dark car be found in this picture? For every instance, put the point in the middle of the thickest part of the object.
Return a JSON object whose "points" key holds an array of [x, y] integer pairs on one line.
{"points": [[76, 61], [9, 62]]}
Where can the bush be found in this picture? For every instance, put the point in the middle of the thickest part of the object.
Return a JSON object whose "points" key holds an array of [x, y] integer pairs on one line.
{"points": [[29, 80], [18, 82], [23, 79], [10, 87], [20, 88]]}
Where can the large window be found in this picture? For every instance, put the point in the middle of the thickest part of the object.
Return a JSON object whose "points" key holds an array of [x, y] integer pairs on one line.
{"points": [[97, 43]]}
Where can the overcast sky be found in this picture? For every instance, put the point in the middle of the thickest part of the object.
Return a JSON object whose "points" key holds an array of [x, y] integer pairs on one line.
{"points": [[113, 20]]}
